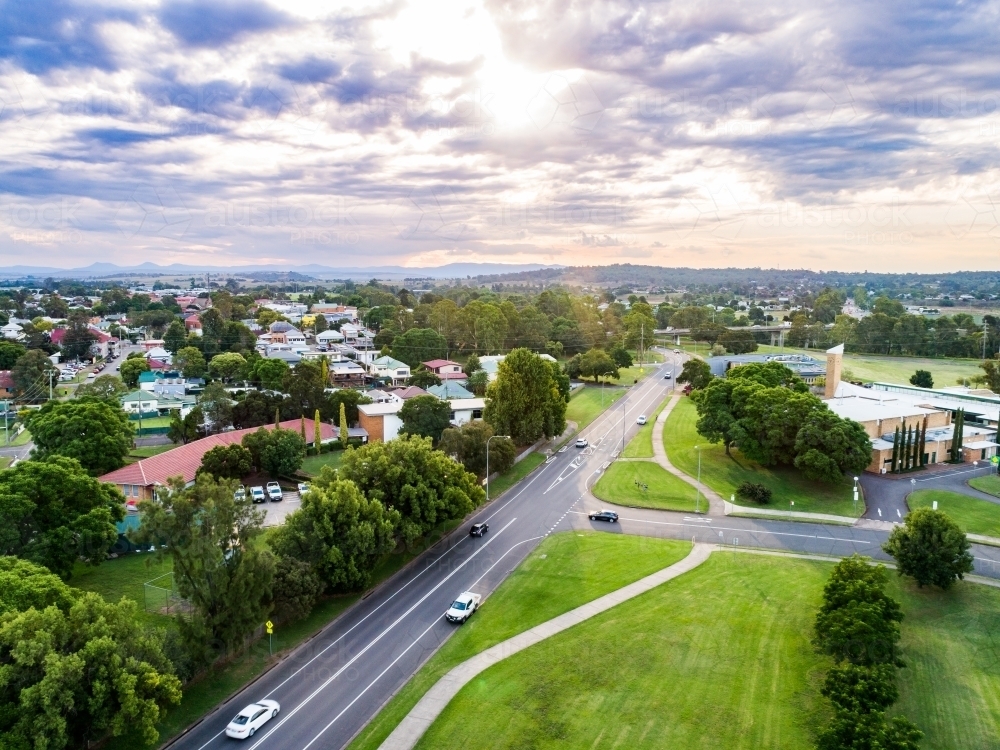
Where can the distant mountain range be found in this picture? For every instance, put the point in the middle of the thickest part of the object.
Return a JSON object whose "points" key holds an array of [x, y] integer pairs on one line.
{"points": [[100, 270]]}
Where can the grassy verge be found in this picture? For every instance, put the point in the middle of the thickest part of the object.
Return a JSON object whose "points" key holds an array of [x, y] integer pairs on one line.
{"points": [[565, 571], [124, 577], [148, 451], [23, 439], [973, 515], [724, 473], [587, 403], [641, 446], [990, 485], [516, 473], [313, 464], [722, 657], [656, 488]]}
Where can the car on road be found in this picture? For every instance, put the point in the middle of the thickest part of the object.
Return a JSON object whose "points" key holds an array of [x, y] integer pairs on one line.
{"points": [[677, 351], [667, 376], [257, 494], [604, 515], [274, 491], [478, 529], [641, 419], [581, 443], [241, 493], [463, 607], [253, 717], [303, 488]]}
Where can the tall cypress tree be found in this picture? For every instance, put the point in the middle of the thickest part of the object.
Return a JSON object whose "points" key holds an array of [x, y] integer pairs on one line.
{"points": [[914, 462], [921, 447], [907, 438], [895, 451], [961, 433]]}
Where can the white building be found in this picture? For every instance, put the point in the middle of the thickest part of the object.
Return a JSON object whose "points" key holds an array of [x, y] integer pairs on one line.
{"points": [[387, 367]]}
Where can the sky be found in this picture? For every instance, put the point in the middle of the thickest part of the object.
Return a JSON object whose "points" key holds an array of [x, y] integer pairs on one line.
{"points": [[857, 135]]}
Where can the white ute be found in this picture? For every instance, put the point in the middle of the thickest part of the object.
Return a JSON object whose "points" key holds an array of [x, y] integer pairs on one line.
{"points": [[463, 607]]}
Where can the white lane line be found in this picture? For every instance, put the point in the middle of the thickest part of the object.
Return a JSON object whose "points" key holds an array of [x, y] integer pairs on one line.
{"points": [[533, 539], [379, 637], [748, 531]]}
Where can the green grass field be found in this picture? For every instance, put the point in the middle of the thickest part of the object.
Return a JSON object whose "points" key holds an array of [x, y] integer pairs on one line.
{"points": [[148, 422], [664, 490], [125, 576], [641, 446], [724, 474], [990, 484], [586, 403], [565, 571], [973, 515], [21, 439], [312, 465], [722, 658], [147, 451]]}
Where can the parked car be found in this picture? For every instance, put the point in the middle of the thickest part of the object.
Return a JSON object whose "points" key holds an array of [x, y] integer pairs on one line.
{"points": [[303, 488], [257, 494], [250, 719], [478, 529], [641, 419], [241, 493], [581, 443], [463, 607], [274, 491], [604, 515]]}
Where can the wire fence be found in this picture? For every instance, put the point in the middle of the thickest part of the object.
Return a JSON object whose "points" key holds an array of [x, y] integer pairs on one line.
{"points": [[160, 596]]}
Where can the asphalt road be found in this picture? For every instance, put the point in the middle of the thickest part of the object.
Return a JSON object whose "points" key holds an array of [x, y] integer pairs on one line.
{"points": [[330, 687]]}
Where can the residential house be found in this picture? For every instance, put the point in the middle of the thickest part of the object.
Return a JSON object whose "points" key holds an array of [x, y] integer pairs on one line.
{"points": [[466, 409], [6, 384], [347, 373], [12, 331], [157, 364], [381, 421], [325, 338], [283, 332], [334, 312], [158, 352], [390, 369], [407, 392], [445, 369], [149, 404], [490, 363], [449, 390], [357, 335], [192, 323]]}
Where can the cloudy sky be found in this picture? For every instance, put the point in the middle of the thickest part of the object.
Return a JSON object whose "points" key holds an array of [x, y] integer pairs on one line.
{"points": [[853, 135]]}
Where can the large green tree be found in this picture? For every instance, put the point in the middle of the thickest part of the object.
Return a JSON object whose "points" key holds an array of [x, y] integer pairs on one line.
{"points": [[696, 372], [91, 430], [131, 369], [827, 446], [525, 401], [468, 445], [269, 373], [931, 548], [351, 399], [191, 362], [408, 475], [338, 531], [55, 513], [10, 352], [72, 676], [419, 345], [275, 451], [175, 337], [219, 565], [227, 462], [228, 366], [31, 375], [425, 416], [597, 363], [105, 387], [25, 584], [770, 424]]}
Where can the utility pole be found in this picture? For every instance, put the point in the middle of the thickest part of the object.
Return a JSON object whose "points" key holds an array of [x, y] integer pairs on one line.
{"points": [[984, 339], [51, 373], [642, 344]]}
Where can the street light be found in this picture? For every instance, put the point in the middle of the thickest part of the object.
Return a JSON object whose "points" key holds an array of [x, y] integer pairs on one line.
{"points": [[488, 462], [697, 498], [855, 494]]}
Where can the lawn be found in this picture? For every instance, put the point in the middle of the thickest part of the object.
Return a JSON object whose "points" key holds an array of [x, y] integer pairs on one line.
{"points": [[312, 465], [21, 439], [722, 658], [973, 515], [587, 403], [989, 484], [515, 473], [124, 576], [641, 446], [148, 451], [724, 474], [656, 488], [149, 422], [628, 375], [565, 571]]}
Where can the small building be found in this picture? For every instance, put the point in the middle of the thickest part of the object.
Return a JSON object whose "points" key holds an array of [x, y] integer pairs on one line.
{"points": [[407, 392], [347, 373], [381, 421], [6, 384], [192, 323], [490, 364], [151, 404], [445, 369], [449, 390], [330, 336], [391, 369], [466, 409], [12, 331]]}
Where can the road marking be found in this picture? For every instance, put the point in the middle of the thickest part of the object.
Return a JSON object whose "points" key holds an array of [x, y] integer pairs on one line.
{"points": [[533, 539], [879, 512], [900, 515], [377, 638]]}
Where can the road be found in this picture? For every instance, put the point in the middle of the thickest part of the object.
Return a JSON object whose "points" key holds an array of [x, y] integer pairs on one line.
{"points": [[330, 687]]}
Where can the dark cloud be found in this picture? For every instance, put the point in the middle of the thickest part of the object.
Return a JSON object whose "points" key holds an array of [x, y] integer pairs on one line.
{"points": [[119, 136], [310, 70], [204, 23]]}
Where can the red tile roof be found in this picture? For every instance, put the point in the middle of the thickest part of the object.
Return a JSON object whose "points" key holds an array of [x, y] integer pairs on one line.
{"points": [[184, 460], [436, 363], [6, 380]]}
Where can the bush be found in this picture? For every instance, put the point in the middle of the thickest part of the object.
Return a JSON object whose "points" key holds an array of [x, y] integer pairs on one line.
{"points": [[931, 548], [754, 493]]}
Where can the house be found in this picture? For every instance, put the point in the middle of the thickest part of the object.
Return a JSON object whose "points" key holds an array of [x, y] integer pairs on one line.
{"points": [[12, 331], [325, 338], [167, 383], [381, 421], [391, 369], [407, 392], [333, 312], [490, 364], [466, 409], [283, 332], [149, 344], [283, 352], [6, 384], [357, 335], [347, 373], [445, 369], [158, 352], [192, 323], [449, 390], [383, 397], [157, 364], [140, 480], [149, 404]]}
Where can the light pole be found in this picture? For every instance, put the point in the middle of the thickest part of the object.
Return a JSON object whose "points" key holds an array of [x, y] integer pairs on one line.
{"points": [[697, 497], [623, 426], [855, 495], [488, 462]]}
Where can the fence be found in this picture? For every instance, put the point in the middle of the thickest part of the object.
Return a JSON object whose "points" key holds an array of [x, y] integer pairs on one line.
{"points": [[160, 596]]}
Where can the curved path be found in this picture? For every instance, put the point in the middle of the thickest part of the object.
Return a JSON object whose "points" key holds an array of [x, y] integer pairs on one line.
{"points": [[716, 504]]}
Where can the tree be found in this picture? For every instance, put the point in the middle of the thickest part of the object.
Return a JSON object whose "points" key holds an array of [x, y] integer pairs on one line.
{"points": [[738, 342], [269, 373], [769, 426], [990, 377], [104, 387], [754, 492], [408, 475], [472, 365], [931, 548], [175, 337], [719, 409], [870, 731], [10, 352], [191, 362], [596, 363], [708, 332], [25, 584], [79, 674], [468, 445], [296, 585], [255, 409], [424, 378], [90, 430], [131, 369], [184, 430], [351, 399], [78, 338], [31, 374], [419, 345], [54, 513], [827, 447], [227, 462], [426, 416], [219, 567], [342, 534], [524, 401], [228, 366], [305, 388], [696, 372], [276, 452], [478, 382], [217, 406], [344, 434], [922, 379], [621, 357]]}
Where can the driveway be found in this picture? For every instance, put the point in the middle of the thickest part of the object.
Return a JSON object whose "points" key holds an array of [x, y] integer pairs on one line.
{"points": [[886, 498]]}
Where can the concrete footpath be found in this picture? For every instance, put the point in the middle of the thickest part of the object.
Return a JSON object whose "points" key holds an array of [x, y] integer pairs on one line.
{"points": [[716, 503], [409, 731]]}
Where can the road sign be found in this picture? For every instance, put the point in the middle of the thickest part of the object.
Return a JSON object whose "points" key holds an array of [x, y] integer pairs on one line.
{"points": [[270, 627], [995, 460]]}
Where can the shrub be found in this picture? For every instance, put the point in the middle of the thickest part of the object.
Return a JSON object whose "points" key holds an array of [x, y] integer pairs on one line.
{"points": [[754, 492]]}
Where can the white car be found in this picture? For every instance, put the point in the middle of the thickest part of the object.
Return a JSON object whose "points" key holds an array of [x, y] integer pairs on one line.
{"points": [[463, 607], [274, 491], [581, 443], [641, 419], [257, 494], [677, 351], [241, 493], [303, 488], [253, 717]]}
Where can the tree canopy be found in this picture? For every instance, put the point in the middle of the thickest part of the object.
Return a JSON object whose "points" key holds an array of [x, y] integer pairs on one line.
{"points": [[227, 462], [931, 548], [91, 430], [525, 400], [131, 369], [24, 584], [425, 416], [696, 372], [468, 445], [419, 345], [276, 452]]}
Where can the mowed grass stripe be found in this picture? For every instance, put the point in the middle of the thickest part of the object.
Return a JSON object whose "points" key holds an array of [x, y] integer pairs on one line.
{"points": [[973, 515]]}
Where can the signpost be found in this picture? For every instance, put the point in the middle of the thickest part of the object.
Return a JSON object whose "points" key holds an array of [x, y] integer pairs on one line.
{"points": [[270, 631]]}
